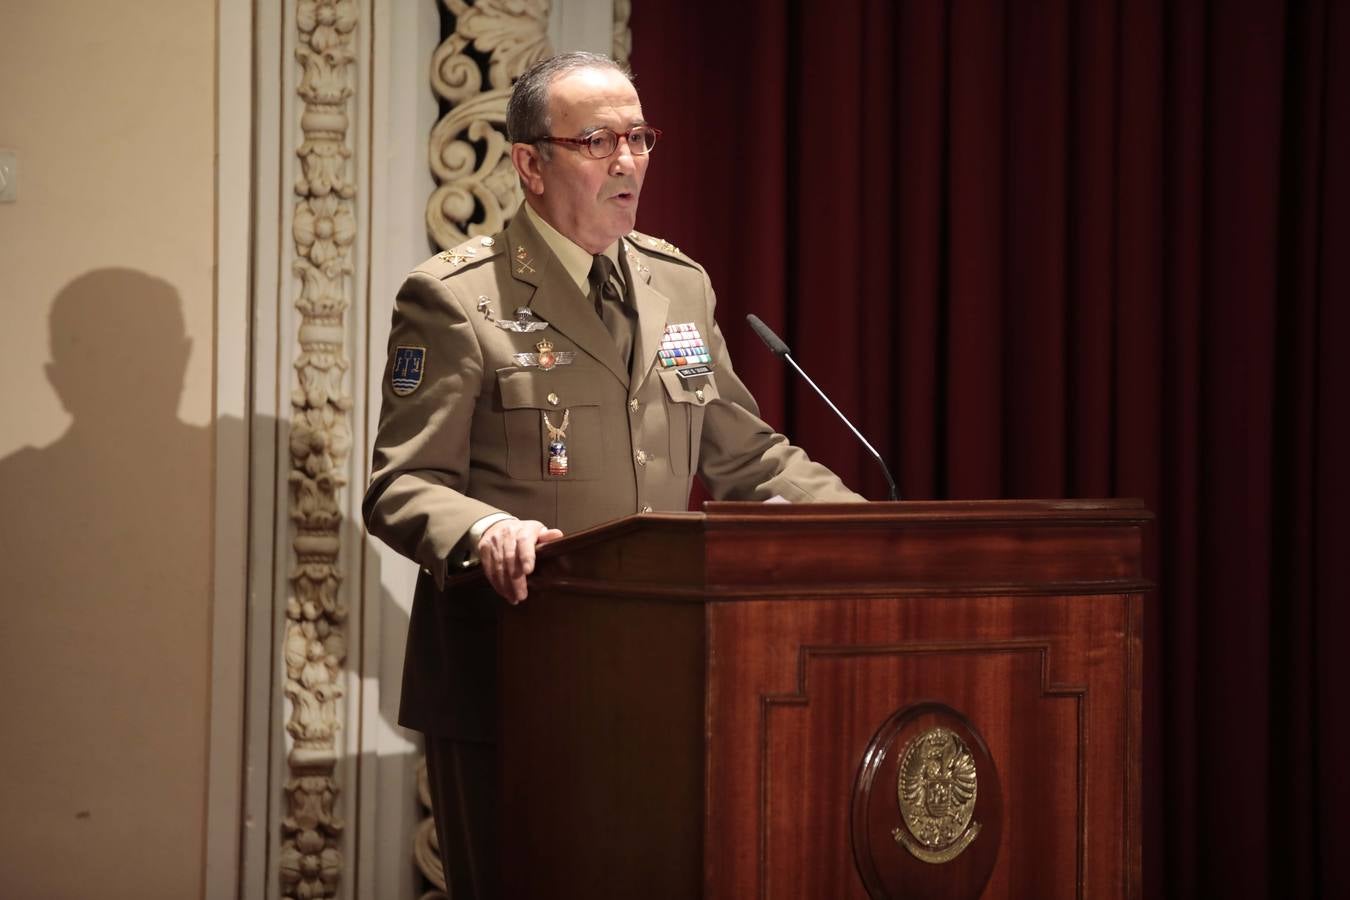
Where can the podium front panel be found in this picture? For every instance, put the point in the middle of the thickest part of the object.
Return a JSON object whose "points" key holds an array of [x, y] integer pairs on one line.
{"points": [[802, 688]]}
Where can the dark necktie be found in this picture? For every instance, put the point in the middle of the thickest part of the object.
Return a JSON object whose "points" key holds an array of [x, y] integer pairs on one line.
{"points": [[608, 295]]}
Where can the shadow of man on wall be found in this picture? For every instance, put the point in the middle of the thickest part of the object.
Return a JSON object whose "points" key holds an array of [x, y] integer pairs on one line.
{"points": [[106, 539]]}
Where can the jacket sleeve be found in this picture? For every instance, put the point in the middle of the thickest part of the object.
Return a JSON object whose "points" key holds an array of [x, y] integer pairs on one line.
{"points": [[742, 458], [416, 501]]}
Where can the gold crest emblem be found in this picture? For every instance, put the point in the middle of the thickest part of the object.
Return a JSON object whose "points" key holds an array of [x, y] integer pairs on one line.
{"points": [[937, 786], [546, 358]]}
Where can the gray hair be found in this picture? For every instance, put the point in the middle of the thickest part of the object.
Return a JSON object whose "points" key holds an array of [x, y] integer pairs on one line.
{"points": [[527, 116]]}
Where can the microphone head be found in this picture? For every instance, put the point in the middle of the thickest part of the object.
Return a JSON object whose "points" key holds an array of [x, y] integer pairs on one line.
{"points": [[771, 340]]}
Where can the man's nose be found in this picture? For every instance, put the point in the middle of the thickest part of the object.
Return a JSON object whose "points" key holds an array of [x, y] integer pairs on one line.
{"points": [[623, 161]]}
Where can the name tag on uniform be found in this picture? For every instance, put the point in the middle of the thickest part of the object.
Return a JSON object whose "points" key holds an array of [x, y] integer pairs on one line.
{"points": [[683, 349]]}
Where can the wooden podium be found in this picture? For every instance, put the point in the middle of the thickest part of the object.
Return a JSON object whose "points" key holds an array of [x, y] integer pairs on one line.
{"points": [[829, 701]]}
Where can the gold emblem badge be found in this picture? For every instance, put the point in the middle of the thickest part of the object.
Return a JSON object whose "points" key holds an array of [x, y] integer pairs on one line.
{"points": [[457, 256], [546, 358], [937, 787], [524, 262]]}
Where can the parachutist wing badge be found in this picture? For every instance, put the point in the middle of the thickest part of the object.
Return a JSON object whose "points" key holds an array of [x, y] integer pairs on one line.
{"points": [[524, 322]]}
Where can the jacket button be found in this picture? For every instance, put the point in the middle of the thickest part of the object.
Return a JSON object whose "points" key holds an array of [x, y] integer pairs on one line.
{"points": [[646, 509], [699, 394], [553, 399], [633, 404], [641, 457]]}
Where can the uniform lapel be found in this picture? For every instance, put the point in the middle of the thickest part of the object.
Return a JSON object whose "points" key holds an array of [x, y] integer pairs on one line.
{"points": [[554, 296], [652, 308]]}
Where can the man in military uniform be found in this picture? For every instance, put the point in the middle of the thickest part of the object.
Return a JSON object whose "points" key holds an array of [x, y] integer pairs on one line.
{"points": [[563, 373]]}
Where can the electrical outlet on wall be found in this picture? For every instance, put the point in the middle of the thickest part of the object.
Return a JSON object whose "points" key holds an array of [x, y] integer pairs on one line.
{"points": [[9, 176]]}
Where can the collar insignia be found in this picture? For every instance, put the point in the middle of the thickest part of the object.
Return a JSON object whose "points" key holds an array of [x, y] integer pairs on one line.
{"points": [[524, 262]]}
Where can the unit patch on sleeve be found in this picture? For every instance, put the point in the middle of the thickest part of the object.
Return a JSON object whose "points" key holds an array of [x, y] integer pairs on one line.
{"points": [[405, 375], [683, 349]]}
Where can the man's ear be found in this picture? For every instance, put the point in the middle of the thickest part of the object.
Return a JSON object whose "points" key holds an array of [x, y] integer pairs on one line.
{"points": [[529, 166]]}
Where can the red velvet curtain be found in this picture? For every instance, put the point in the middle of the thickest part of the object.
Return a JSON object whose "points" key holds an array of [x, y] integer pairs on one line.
{"points": [[1069, 248]]}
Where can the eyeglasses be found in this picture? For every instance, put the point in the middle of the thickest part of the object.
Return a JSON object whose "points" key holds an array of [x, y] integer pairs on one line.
{"points": [[601, 143]]}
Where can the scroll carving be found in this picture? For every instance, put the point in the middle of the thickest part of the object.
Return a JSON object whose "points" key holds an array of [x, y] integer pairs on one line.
{"points": [[314, 647], [494, 41]]}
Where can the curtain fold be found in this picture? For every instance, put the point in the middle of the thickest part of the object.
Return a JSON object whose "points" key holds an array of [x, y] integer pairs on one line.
{"points": [[1053, 249]]}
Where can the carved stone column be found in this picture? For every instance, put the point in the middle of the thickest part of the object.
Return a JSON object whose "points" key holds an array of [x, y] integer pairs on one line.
{"points": [[314, 648]]}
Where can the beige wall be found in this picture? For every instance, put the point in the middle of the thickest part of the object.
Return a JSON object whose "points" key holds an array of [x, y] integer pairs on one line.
{"points": [[105, 446]]}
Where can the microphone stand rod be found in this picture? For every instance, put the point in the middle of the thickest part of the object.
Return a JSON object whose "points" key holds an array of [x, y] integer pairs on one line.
{"points": [[890, 482]]}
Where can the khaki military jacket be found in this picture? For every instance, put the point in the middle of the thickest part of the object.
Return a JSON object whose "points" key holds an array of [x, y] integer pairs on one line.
{"points": [[491, 344]]}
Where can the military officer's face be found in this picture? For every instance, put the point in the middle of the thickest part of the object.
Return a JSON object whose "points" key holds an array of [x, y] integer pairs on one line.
{"points": [[591, 201]]}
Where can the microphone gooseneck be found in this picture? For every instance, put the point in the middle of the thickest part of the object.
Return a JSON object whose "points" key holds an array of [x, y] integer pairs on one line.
{"points": [[780, 349]]}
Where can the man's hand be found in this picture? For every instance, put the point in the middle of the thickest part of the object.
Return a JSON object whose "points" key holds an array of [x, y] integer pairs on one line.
{"points": [[506, 553]]}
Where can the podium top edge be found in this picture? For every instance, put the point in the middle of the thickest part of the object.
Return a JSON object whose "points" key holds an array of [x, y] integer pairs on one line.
{"points": [[937, 511], [942, 527]]}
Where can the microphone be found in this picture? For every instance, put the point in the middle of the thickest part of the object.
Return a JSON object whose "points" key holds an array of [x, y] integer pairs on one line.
{"points": [[780, 349]]}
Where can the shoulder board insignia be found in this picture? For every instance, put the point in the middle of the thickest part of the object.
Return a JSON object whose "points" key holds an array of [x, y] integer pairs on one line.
{"points": [[472, 250], [661, 248], [653, 243]]}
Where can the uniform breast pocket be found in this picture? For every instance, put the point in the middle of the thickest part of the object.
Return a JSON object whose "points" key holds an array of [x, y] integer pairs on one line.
{"points": [[552, 426], [686, 400]]}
